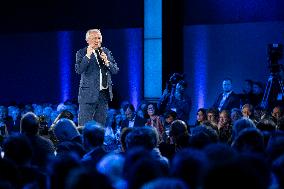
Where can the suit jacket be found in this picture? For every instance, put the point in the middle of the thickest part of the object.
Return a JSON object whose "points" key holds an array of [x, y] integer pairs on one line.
{"points": [[90, 75], [138, 122], [233, 101]]}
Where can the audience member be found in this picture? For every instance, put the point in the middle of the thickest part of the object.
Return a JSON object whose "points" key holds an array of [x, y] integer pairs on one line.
{"points": [[213, 116], [236, 114], [42, 147], [154, 120], [246, 96], [67, 138], [132, 120], [258, 91], [225, 126], [179, 102], [93, 140], [200, 116], [189, 165], [228, 99]]}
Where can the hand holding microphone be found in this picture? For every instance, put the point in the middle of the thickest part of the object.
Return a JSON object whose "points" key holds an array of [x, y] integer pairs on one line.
{"points": [[103, 56]]}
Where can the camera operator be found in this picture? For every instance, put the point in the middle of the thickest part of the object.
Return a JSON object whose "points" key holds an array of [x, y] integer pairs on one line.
{"points": [[274, 91], [175, 99]]}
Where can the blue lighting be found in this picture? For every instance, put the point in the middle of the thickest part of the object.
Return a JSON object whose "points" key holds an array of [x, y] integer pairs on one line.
{"points": [[152, 18], [152, 68], [134, 56], [200, 65], [65, 62]]}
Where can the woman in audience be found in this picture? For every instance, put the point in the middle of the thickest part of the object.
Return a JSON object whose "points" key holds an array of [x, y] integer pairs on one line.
{"points": [[225, 126], [154, 120], [200, 116]]}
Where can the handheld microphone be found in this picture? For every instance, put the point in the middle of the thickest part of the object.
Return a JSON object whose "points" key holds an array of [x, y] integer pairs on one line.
{"points": [[100, 50]]}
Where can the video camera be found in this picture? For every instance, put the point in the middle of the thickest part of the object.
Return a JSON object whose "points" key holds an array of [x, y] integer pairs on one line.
{"points": [[174, 79], [275, 53]]}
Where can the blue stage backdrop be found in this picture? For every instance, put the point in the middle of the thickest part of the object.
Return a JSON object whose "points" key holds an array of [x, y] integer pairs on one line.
{"points": [[39, 67]]}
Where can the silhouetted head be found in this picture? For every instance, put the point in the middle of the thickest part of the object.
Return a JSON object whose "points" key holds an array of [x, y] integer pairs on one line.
{"points": [[29, 124]]}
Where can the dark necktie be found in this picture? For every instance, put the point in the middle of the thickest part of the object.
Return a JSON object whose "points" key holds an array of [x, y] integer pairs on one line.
{"points": [[103, 69]]}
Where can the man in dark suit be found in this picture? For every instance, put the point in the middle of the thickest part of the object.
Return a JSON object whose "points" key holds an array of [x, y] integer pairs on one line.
{"points": [[132, 120], [95, 64], [228, 99]]}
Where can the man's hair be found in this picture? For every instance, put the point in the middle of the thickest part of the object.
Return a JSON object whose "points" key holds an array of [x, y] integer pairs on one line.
{"points": [[249, 140], [249, 106], [94, 133], [228, 79], [169, 113], [237, 111], [214, 111], [29, 123], [240, 125], [178, 127], [130, 106], [124, 132], [93, 30], [18, 149], [145, 136], [65, 130]]}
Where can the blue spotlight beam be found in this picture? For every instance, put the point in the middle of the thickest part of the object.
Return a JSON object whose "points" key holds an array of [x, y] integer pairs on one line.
{"points": [[65, 62], [200, 66], [134, 56]]}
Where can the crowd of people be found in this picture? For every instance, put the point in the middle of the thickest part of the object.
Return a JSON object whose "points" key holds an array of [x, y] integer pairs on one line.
{"points": [[232, 144], [235, 143]]}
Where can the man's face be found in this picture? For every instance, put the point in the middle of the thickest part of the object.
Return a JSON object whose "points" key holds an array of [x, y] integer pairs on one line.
{"points": [[94, 40], [169, 119], [227, 86], [223, 119], [276, 112], [246, 112], [129, 113], [210, 117], [200, 116], [247, 87], [256, 89]]}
